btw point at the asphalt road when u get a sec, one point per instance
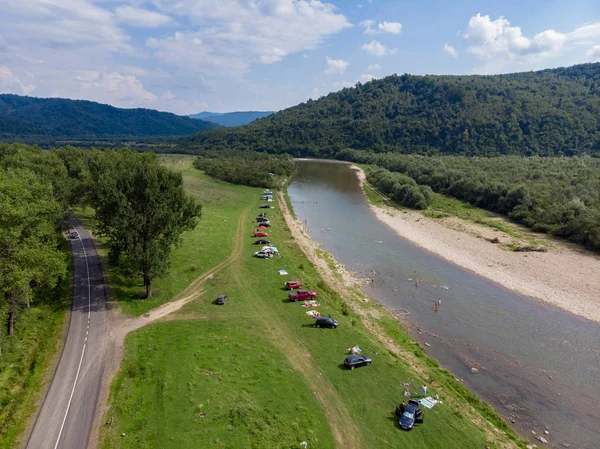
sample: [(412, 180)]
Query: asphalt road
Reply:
[(66, 416)]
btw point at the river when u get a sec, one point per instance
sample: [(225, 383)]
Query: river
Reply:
[(536, 364)]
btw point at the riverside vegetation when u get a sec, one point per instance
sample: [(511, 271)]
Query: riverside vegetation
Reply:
[(255, 373)]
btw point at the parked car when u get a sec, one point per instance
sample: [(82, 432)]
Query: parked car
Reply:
[(265, 224), (221, 300), (260, 234), (302, 294), (293, 285), (262, 242), (262, 254), (412, 414), (353, 361), (326, 321), (261, 219), (264, 206)]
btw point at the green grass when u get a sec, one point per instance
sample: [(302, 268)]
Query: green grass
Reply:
[(28, 355), (201, 249), (252, 399), (376, 198), (267, 360)]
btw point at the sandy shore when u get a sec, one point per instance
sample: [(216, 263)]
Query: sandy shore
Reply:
[(565, 276)]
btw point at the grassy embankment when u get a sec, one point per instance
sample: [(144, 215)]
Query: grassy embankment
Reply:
[(255, 373), (29, 356), (443, 206)]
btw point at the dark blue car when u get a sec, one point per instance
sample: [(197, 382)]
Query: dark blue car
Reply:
[(410, 415)]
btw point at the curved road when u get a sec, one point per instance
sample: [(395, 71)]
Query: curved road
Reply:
[(66, 416)]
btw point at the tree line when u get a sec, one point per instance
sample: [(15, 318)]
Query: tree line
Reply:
[(246, 167), (559, 196), (141, 210), (400, 188)]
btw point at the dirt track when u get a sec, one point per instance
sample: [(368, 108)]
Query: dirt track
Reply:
[(121, 325)]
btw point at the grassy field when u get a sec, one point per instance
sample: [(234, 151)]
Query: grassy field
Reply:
[(255, 373), (27, 357), (203, 248)]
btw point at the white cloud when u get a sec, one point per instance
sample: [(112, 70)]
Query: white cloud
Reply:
[(378, 49), (390, 27), (505, 48), (113, 88), (341, 84), (449, 49), (316, 93), (374, 67), (143, 18), (231, 35), (594, 53), (384, 27), (586, 34), (487, 39), (335, 66), (368, 26), (64, 24), (9, 83), (366, 77)]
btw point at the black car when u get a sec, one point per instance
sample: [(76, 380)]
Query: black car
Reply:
[(353, 361), (326, 321), (221, 300), (262, 242), (264, 206), (412, 414), (261, 219)]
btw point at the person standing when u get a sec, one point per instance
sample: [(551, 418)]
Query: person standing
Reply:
[(424, 388)]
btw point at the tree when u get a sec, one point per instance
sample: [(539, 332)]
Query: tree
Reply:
[(29, 253), (143, 210)]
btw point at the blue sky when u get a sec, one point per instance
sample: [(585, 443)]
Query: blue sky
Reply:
[(186, 56)]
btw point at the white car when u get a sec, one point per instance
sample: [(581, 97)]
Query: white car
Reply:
[(262, 254)]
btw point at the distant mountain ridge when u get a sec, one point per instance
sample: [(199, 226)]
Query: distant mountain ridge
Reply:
[(548, 112), (60, 118), (229, 119)]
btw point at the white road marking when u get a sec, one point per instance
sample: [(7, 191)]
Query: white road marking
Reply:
[(84, 345)]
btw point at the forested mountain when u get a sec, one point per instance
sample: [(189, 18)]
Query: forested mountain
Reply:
[(550, 112), (231, 118), (58, 118)]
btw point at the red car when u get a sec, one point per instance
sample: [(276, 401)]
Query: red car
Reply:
[(260, 234), (302, 294), (293, 285)]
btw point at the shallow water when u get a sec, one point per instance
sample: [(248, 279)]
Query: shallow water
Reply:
[(537, 364)]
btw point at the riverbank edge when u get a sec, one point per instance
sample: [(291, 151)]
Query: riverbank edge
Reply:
[(451, 244), (391, 331)]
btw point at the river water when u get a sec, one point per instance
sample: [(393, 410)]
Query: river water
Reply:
[(537, 365)]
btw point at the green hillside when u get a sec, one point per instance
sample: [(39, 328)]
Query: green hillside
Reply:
[(550, 112), (58, 118)]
